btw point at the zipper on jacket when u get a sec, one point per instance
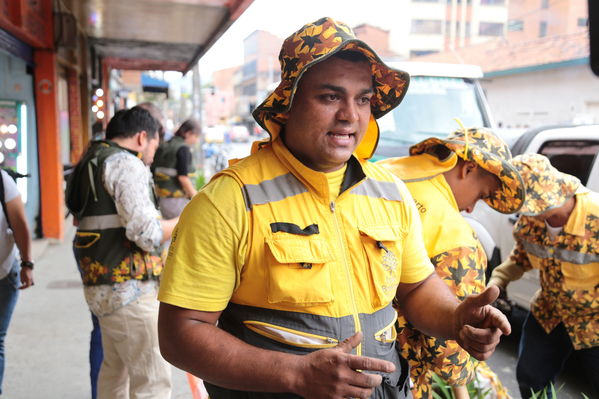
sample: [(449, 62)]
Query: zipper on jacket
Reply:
[(355, 314), (289, 336)]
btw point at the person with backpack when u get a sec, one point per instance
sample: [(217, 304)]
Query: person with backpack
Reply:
[(15, 240), (118, 247), (173, 169)]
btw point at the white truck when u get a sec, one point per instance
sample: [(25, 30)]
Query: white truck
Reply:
[(437, 94)]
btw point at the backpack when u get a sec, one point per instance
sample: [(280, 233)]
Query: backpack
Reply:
[(3, 201)]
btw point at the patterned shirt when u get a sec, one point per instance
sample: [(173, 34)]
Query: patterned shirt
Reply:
[(142, 221), (459, 260), (569, 270)]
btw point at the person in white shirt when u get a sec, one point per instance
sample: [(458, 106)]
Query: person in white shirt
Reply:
[(15, 240)]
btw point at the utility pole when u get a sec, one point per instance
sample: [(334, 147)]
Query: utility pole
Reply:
[(196, 105)]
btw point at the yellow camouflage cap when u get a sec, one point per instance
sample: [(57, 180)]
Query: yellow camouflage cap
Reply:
[(491, 153), (314, 43), (546, 187)]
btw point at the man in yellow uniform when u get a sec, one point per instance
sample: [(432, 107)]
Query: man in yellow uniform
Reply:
[(557, 234), (445, 177), (298, 250)]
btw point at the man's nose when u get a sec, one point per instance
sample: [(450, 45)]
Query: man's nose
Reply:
[(348, 111)]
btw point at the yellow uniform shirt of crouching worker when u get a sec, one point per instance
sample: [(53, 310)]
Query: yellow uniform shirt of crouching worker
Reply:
[(569, 270), (459, 260)]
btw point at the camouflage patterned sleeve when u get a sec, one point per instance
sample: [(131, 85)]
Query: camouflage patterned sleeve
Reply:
[(512, 269), (448, 360)]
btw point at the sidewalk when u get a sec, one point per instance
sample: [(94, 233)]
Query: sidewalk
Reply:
[(48, 340)]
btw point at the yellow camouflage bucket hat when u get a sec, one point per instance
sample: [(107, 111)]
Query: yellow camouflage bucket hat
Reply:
[(314, 43), (488, 151), (546, 187)]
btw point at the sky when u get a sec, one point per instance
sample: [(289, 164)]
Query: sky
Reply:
[(283, 17)]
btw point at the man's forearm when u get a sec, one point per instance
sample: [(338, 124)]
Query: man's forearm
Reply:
[(18, 221), (217, 357), (430, 307), (187, 185)]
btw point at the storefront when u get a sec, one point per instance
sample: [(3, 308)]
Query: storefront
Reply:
[(18, 138)]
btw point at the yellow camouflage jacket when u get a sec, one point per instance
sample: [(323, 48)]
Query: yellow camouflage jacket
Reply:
[(569, 270), (459, 260)]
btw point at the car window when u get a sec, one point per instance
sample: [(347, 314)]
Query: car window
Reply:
[(575, 157), (429, 109)]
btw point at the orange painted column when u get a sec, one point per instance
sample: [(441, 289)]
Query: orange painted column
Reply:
[(48, 141)]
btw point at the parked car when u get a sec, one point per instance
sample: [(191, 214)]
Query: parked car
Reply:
[(215, 134), (239, 134), (571, 149)]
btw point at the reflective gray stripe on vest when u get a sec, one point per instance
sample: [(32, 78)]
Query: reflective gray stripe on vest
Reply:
[(378, 189), (339, 328), (561, 254), (100, 222), (273, 190), (166, 171)]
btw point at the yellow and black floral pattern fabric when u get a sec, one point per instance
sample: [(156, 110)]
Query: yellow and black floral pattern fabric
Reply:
[(546, 187), (569, 270)]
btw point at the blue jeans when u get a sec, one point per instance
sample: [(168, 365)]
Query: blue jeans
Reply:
[(542, 356), (96, 354), (9, 292)]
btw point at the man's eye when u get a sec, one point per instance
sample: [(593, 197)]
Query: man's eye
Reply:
[(330, 97)]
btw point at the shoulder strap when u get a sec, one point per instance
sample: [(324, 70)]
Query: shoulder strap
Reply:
[(2, 199)]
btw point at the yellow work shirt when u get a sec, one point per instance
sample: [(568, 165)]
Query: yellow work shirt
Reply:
[(569, 270), (459, 260)]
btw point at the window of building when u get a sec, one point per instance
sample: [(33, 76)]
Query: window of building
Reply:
[(515, 25), (544, 3), (543, 29), (425, 26), (490, 29), (583, 21), (492, 2)]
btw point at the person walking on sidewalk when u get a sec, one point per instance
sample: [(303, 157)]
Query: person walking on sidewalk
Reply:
[(15, 275), (173, 170), (118, 249), (445, 177), (298, 250), (557, 234)]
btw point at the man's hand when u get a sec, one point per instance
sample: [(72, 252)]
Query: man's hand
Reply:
[(335, 373), (479, 325), (26, 278)]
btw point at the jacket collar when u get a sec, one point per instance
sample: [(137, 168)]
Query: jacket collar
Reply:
[(314, 180)]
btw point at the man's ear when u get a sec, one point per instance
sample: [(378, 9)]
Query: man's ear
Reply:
[(467, 168), (142, 138)]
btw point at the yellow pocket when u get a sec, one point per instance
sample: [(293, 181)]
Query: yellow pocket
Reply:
[(298, 269), (290, 337), (85, 240), (580, 277), (387, 334), (384, 258)]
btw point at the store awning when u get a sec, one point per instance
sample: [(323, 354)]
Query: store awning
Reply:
[(153, 85), (156, 34)]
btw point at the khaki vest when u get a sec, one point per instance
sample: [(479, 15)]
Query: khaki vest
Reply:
[(165, 169)]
